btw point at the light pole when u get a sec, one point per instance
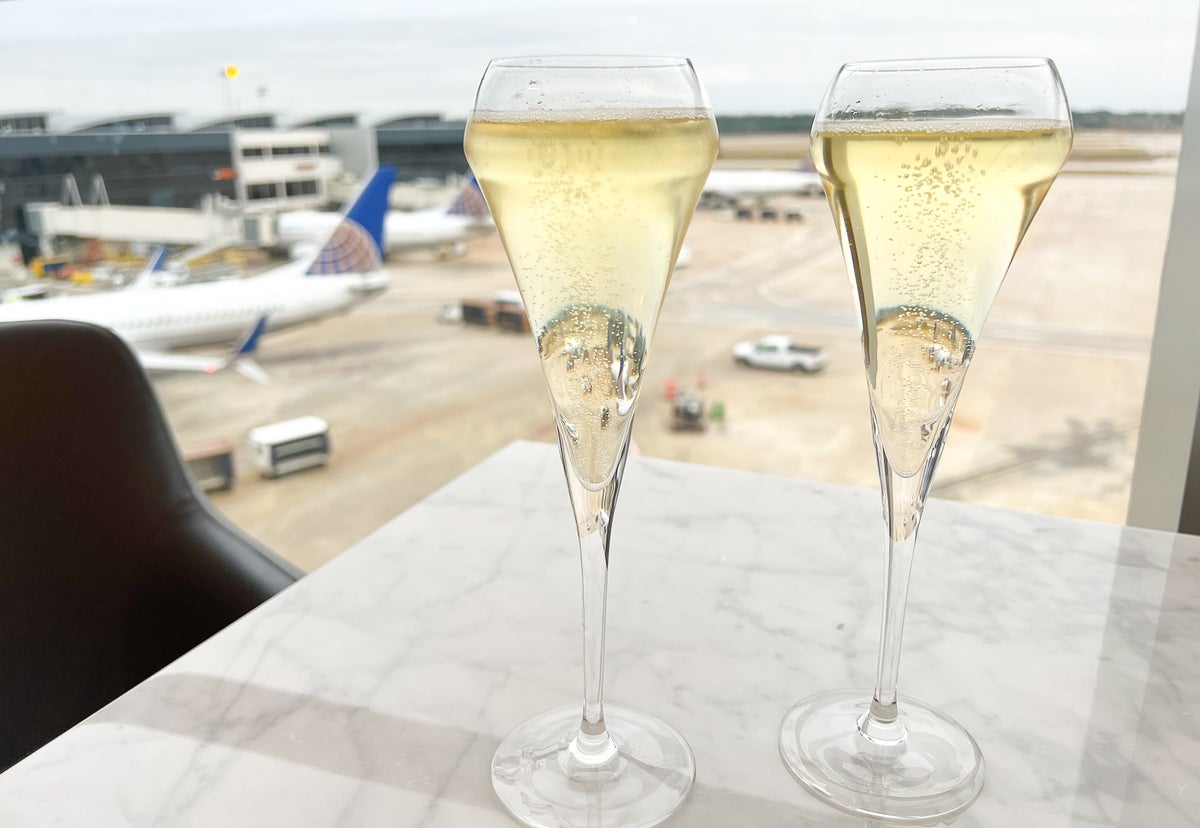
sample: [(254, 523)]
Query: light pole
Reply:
[(229, 71)]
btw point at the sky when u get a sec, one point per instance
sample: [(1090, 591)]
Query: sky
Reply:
[(385, 57)]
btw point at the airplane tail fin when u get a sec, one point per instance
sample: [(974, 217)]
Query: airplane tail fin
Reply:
[(470, 201), (156, 262), (356, 244)]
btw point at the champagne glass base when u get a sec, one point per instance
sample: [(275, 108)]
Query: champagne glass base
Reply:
[(542, 784), (932, 774)]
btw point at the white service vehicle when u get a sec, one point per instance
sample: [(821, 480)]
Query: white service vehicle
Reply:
[(290, 446), (781, 353)]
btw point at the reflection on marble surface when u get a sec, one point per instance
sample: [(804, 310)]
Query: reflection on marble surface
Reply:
[(374, 692)]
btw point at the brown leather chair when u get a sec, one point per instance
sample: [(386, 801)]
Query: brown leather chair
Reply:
[(112, 563)]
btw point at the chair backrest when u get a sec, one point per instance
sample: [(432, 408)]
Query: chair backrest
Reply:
[(112, 564)]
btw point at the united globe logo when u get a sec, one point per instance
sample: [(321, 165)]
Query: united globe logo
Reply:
[(349, 250)]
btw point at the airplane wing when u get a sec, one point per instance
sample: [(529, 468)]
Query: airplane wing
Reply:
[(161, 361), (241, 358)]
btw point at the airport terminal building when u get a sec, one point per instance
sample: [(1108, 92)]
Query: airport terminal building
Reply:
[(250, 161)]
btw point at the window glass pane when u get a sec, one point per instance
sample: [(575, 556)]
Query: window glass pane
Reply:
[(258, 191), (1048, 420), (301, 188)]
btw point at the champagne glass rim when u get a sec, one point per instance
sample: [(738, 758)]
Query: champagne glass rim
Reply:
[(590, 62), (947, 64)]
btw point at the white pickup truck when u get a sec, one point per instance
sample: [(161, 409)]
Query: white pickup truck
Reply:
[(781, 353)]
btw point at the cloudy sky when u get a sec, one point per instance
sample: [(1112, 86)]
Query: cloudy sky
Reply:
[(394, 56)]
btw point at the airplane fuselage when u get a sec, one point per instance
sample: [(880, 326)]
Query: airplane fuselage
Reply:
[(401, 231), (757, 183), (207, 313)]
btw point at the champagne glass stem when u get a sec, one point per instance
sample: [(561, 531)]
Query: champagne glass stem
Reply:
[(593, 742), (901, 544), (593, 746), (903, 505)]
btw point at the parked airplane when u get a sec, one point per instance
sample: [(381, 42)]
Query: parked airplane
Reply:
[(731, 185), (345, 271), (438, 228)]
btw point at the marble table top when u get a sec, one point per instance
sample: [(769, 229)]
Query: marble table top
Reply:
[(374, 692)]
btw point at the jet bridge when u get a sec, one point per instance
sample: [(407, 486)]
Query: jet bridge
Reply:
[(213, 224)]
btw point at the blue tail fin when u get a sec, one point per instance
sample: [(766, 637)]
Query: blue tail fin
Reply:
[(356, 245), (470, 201), (157, 259), (155, 263)]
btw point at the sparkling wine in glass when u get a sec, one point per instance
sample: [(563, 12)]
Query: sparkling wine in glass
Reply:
[(934, 170), (592, 167)]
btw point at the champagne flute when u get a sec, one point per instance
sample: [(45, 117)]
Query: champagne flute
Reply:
[(934, 170), (592, 167)]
